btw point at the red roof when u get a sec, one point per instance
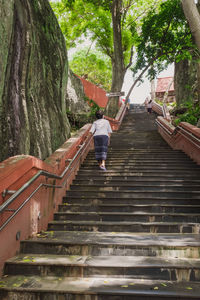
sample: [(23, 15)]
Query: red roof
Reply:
[(163, 83)]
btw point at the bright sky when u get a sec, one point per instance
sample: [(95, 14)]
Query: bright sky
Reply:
[(140, 93)]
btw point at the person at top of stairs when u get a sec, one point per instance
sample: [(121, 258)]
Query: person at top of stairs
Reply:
[(149, 106), (101, 130)]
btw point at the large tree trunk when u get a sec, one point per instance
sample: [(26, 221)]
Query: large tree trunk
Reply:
[(186, 81), (198, 81), (33, 80), (198, 70), (118, 68), (191, 11), (198, 88), (193, 17)]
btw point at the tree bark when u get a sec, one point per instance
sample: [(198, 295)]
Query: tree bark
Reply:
[(198, 81), (193, 18), (198, 88), (191, 11), (118, 68), (33, 83)]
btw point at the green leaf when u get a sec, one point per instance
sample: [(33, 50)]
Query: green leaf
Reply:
[(163, 284), (16, 284)]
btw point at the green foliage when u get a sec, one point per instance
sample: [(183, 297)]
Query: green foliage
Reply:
[(165, 38), (172, 104), (159, 102), (94, 66), (191, 115), (93, 106), (106, 4), (83, 18), (93, 19), (169, 104)]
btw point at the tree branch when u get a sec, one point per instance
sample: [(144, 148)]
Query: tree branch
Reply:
[(130, 61)]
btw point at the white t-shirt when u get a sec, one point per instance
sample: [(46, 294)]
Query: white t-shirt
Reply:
[(101, 127), (149, 105)]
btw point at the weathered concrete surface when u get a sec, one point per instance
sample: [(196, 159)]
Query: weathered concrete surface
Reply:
[(34, 72), (78, 109), (99, 288), (75, 95)]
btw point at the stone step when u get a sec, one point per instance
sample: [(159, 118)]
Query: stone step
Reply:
[(118, 226), (134, 162), (166, 153), (136, 193), (142, 150), (135, 187), (145, 155), (134, 182), (141, 172), (136, 208), (113, 243), (136, 136), (148, 145), (157, 168), (138, 199), (136, 177), (139, 154), (140, 267), (137, 142), (141, 136), (100, 288), (127, 217)]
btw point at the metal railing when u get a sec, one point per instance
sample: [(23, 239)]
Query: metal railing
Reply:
[(162, 110), (161, 125), (69, 168)]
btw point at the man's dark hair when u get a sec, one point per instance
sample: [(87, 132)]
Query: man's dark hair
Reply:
[(99, 114)]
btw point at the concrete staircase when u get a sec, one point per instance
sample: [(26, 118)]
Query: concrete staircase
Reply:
[(129, 233)]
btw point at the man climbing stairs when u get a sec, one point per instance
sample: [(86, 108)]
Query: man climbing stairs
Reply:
[(129, 233)]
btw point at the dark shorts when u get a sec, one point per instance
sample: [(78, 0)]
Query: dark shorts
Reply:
[(101, 147), (149, 110)]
